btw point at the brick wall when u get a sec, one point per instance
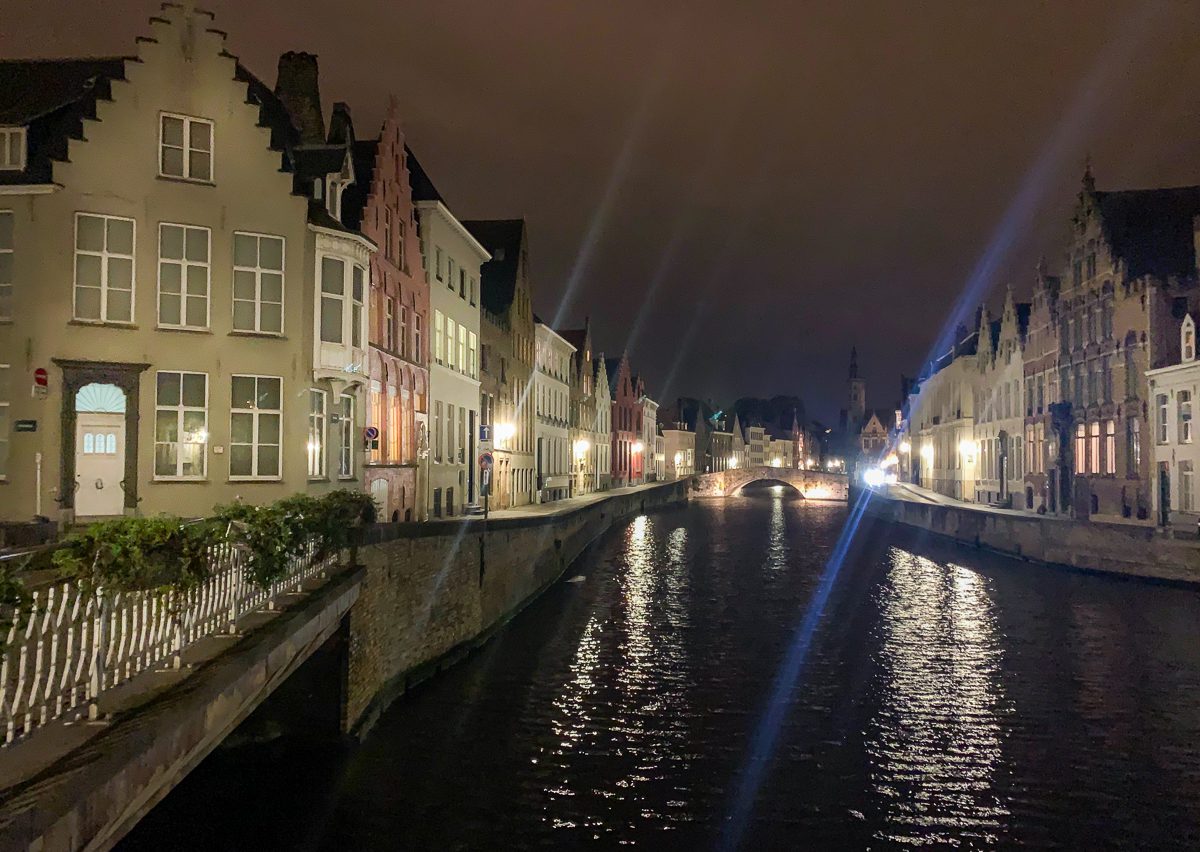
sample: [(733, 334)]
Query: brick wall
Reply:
[(433, 591)]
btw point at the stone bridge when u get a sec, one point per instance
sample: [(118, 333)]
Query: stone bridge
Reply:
[(813, 484)]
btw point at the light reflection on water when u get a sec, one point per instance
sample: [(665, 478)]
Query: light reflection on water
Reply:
[(935, 740)]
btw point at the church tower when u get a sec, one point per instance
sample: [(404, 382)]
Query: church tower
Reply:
[(858, 395)]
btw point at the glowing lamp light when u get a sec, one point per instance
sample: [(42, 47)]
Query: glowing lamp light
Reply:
[(504, 431), (874, 477), (776, 462), (733, 461), (927, 452), (581, 447), (905, 447), (638, 446), (818, 492), (201, 437), (968, 447)]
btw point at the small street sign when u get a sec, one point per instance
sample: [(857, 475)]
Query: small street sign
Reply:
[(485, 461), (25, 426)]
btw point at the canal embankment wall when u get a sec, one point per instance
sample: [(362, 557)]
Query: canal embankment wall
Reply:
[(433, 592), (1126, 549)]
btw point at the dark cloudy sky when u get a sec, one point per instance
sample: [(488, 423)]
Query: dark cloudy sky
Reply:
[(739, 191)]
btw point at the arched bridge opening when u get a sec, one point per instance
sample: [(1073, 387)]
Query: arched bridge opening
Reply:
[(812, 484)]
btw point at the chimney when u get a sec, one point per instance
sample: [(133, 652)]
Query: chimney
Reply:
[(297, 87)]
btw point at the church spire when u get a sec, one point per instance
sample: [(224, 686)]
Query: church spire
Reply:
[(854, 362)]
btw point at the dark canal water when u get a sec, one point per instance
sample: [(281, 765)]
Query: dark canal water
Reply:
[(947, 699)]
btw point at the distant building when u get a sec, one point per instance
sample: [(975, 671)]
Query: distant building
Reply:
[(603, 428), (1173, 392), (629, 452), (679, 451), (552, 392), (649, 427), (452, 258)]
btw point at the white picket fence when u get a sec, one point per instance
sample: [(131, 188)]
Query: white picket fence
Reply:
[(71, 646)]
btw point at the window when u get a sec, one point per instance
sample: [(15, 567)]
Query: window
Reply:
[(388, 245), (1110, 446), (1133, 447), (183, 276), (389, 323), (1163, 416), (437, 432), (472, 291), (334, 292), (1080, 448), (1094, 447), (462, 349), (401, 253), (5, 423), (357, 295), (256, 413), (346, 437), (416, 352), (1187, 492), (393, 424), (438, 337), (462, 283), (257, 283), (181, 426), (451, 435), (451, 328), (6, 264), (472, 355), (317, 430), (185, 147), (437, 266), (1187, 335), (450, 269), (462, 435), (1184, 400), (12, 148), (103, 268)]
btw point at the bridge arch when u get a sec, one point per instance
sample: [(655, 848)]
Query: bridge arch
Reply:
[(813, 484)]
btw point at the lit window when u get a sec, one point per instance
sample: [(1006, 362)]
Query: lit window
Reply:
[(346, 437), (12, 148), (1094, 447), (389, 323), (183, 276), (1184, 399), (6, 264), (451, 327), (103, 268), (472, 355), (185, 148), (256, 414), (1187, 492), (258, 283), (438, 337), (1080, 448), (1188, 335), (316, 433), (1110, 446), (181, 426), (1163, 418), (462, 349)]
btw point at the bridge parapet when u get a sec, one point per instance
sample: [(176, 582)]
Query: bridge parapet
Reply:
[(813, 484)]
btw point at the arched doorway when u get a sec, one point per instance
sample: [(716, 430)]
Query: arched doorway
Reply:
[(99, 450)]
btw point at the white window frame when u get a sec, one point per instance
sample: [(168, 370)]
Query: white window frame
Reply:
[(351, 325), (318, 427), (346, 436), (1184, 405), (11, 137), (186, 150), (257, 270), (451, 350), (389, 320), (184, 265), (255, 412), (105, 256), (1161, 422), (7, 287), (180, 409)]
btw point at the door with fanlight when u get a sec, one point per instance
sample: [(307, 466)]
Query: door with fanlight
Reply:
[(99, 451)]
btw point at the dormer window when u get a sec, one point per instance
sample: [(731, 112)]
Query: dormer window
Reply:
[(12, 148), (1187, 339), (185, 147)]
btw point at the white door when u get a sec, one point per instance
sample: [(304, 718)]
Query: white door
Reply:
[(99, 464)]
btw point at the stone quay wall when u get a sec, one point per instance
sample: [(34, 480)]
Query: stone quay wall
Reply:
[(1139, 551), (434, 591)]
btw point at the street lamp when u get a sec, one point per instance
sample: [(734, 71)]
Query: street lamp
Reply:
[(504, 431), (638, 446), (927, 452), (905, 447), (581, 447)]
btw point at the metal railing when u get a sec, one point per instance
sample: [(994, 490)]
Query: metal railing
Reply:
[(70, 646)]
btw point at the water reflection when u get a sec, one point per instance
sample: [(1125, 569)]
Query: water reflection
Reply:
[(935, 740)]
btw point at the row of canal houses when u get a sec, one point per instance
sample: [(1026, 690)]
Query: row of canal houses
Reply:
[(1080, 401), (213, 289)]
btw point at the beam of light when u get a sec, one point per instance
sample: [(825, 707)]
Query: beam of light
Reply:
[(1079, 119), (616, 177), (762, 742)]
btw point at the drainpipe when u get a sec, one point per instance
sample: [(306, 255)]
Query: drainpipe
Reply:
[(37, 498)]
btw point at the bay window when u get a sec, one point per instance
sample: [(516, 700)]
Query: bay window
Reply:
[(342, 291)]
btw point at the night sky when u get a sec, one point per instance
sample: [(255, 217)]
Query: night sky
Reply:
[(740, 191)]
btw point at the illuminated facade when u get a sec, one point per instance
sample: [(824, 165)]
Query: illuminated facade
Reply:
[(551, 429), (182, 273)]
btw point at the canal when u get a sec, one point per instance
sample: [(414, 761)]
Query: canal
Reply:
[(944, 697)]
